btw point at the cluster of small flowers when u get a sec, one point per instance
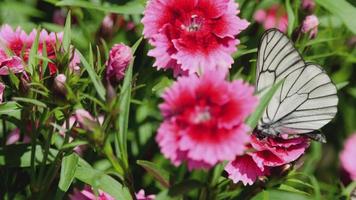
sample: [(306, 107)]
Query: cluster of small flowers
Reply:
[(276, 16)]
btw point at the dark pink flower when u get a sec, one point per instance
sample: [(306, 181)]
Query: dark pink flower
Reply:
[(348, 158), (204, 119), (192, 36), (263, 155), (273, 17), (310, 25), (119, 59)]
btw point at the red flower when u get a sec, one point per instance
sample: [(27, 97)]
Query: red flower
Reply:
[(192, 36), (204, 120)]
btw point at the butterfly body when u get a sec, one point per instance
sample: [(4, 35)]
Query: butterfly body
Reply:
[(305, 101)]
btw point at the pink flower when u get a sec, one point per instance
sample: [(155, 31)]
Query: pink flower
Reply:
[(141, 196), (263, 155), (84, 119), (119, 59), (88, 194), (348, 158), (2, 89), (20, 43), (308, 5), (192, 36), (204, 119), (310, 25), (273, 17)]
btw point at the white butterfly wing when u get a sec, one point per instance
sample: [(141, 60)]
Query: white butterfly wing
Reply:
[(307, 99)]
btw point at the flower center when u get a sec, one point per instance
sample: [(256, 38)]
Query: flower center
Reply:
[(202, 115), (194, 24)]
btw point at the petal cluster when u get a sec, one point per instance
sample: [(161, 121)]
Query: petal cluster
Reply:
[(263, 155), (348, 158), (192, 36), (204, 119)]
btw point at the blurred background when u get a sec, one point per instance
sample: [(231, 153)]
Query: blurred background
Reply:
[(104, 23)]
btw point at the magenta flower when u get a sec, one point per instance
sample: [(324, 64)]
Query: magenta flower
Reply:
[(310, 25), (348, 158), (119, 59), (204, 119), (192, 36), (263, 155), (88, 194), (273, 17)]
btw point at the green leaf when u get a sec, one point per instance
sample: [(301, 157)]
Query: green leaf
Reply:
[(14, 79), (291, 17), (279, 195), (134, 7), (10, 108), (93, 76), (136, 45), (32, 60), (124, 109), (30, 101), (68, 168), (161, 85), (67, 33), (19, 155), (100, 180), (341, 85), (343, 9), (252, 121), (159, 174)]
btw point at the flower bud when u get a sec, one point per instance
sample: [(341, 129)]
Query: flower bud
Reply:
[(119, 59), (84, 119), (310, 25), (308, 5), (2, 88), (59, 82)]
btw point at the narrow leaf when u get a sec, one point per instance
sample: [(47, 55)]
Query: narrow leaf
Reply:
[(252, 121), (100, 180), (68, 168), (93, 76), (134, 7), (32, 60), (30, 101), (291, 17), (343, 9), (67, 33), (159, 174)]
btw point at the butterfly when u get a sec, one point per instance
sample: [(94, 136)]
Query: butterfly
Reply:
[(306, 100)]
